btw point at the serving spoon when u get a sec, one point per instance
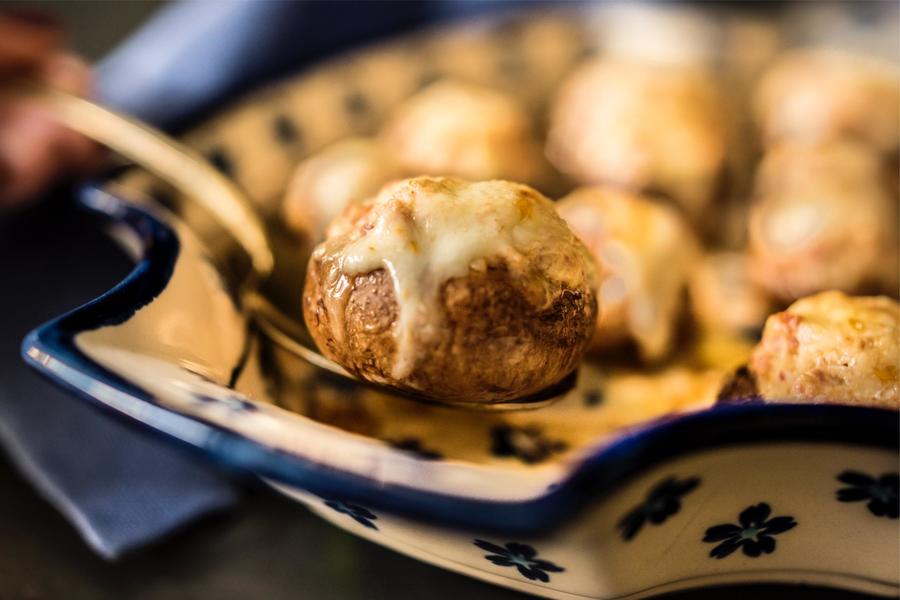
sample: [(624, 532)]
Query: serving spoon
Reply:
[(186, 170)]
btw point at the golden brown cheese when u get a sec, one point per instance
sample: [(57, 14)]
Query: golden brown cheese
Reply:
[(832, 348)]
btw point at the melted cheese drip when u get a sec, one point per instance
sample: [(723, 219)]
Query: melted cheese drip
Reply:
[(426, 231)]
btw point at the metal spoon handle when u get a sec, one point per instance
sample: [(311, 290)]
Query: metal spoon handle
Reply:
[(190, 173), (168, 159)]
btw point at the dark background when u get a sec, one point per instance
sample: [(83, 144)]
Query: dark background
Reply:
[(54, 257)]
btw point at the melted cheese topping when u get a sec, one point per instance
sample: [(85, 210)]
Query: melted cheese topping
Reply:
[(834, 348), (428, 230)]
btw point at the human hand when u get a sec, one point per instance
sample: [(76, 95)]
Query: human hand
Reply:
[(35, 151)]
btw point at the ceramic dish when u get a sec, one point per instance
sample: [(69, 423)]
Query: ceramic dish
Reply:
[(591, 497)]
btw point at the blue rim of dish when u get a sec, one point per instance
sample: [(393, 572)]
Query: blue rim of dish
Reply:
[(51, 350)]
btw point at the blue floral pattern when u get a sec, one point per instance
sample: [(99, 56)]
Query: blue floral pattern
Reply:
[(882, 495), (528, 444), (521, 556), (221, 160), (356, 512), (232, 402), (661, 502), (593, 397), (753, 534), (285, 130), (416, 448)]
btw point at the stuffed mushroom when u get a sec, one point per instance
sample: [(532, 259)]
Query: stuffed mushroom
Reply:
[(644, 250), (819, 94), (641, 127), (465, 130), (723, 296), (831, 348), (348, 171), (458, 291), (823, 219)]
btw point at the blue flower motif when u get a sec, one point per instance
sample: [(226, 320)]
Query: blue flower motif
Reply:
[(882, 494), (528, 443), (415, 447), (661, 502), (221, 160), (521, 556), (593, 397), (356, 104), (285, 130), (754, 534), (354, 511), (232, 402)]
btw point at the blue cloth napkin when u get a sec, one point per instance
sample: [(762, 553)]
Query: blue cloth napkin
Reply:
[(120, 488)]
